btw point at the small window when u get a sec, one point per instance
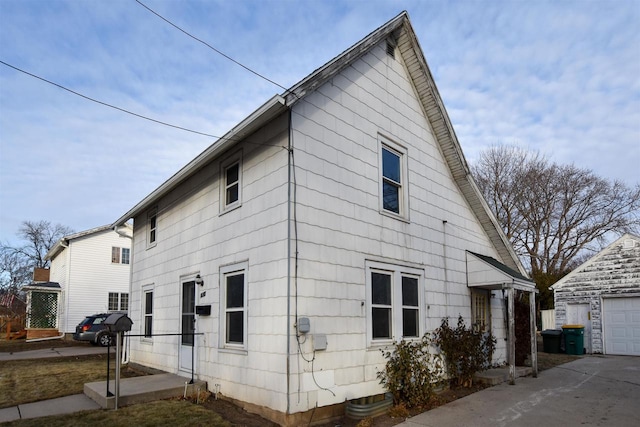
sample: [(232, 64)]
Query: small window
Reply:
[(231, 183), (120, 255), (152, 227), (115, 255), (234, 296), (147, 311), (393, 179), (124, 301), (480, 310), (114, 299), (118, 301), (394, 308), (126, 253)]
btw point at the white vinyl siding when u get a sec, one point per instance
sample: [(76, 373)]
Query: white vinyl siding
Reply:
[(340, 225), (86, 276)]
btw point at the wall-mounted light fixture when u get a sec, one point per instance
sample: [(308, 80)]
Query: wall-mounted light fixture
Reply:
[(199, 280)]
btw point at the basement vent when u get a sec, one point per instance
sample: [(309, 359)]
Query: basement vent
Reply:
[(391, 49)]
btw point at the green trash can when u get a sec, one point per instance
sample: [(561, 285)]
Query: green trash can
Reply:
[(551, 339), (573, 339)]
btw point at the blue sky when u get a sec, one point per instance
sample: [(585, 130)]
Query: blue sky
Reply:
[(561, 77)]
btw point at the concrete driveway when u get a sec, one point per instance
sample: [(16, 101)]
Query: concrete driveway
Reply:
[(591, 391)]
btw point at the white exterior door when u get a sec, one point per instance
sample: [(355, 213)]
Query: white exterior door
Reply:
[(188, 324), (579, 314), (621, 325)]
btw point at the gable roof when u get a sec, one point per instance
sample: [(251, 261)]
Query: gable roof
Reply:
[(64, 241), (620, 241), (400, 32)]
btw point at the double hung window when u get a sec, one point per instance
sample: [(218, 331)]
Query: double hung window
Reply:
[(393, 179), (394, 294), (234, 296), (231, 183), (147, 312), (152, 227)]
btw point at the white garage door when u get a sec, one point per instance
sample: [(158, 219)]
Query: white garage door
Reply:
[(622, 325)]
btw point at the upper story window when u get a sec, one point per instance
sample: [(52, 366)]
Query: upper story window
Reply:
[(152, 227), (231, 183), (393, 179), (120, 255), (394, 295)]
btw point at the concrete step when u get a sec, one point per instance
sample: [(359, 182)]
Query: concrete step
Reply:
[(142, 389)]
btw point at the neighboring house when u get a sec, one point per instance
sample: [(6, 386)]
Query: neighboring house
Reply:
[(337, 218), (89, 274), (603, 294)]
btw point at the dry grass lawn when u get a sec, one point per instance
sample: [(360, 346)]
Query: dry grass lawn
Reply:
[(175, 413), (32, 380)]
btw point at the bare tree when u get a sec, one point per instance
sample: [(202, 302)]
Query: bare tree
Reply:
[(553, 214), (14, 270), (17, 263)]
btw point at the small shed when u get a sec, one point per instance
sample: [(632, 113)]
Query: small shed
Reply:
[(603, 294)]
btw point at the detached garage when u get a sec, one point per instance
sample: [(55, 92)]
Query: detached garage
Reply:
[(603, 294)]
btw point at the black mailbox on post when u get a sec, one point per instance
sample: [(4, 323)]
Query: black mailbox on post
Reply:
[(118, 322)]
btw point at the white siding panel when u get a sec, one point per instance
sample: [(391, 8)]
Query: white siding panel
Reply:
[(87, 275)]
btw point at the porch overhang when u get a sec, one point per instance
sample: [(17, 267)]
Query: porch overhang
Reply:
[(44, 286), (484, 272)]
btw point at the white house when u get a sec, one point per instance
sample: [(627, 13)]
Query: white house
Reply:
[(89, 274), (338, 217), (603, 294)]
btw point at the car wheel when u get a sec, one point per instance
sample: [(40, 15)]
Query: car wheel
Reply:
[(104, 340)]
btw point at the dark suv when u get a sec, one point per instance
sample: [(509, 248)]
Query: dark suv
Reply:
[(91, 329)]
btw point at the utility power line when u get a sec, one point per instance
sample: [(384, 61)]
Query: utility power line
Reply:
[(211, 47), (107, 104)]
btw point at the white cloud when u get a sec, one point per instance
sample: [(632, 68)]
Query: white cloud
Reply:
[(559, 77)]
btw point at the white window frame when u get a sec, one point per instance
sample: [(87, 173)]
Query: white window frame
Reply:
[(225, 272), (143, 312), (235, 159), (397, 272), (115, 255), (118, 298), (403, 187), (118, 257), (152, 230), (122, 256), (480, 310)]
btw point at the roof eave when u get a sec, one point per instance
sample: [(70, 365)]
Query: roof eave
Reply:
[(269, 110)]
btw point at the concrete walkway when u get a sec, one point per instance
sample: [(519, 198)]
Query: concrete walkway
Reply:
[(594, 390), (132, 390), (54, 352)]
